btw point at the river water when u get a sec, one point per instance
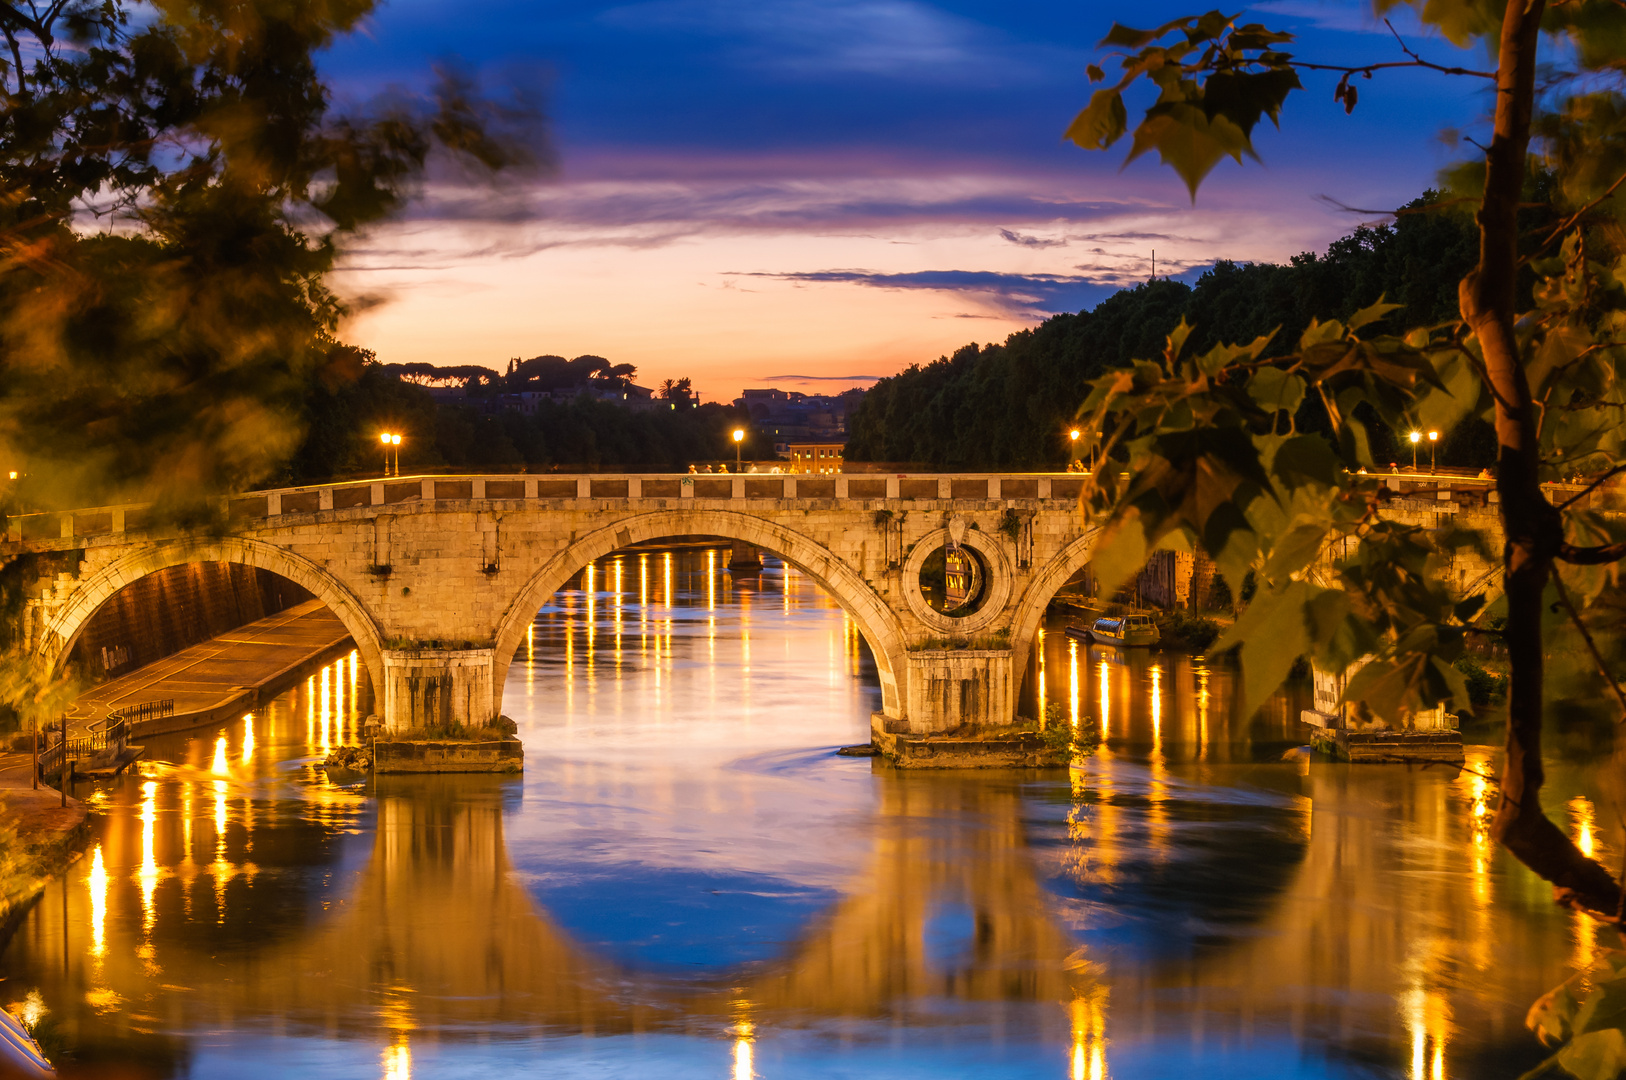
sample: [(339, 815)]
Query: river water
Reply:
[(687, 882)]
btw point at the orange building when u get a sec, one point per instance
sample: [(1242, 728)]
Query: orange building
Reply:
[(816, 457)]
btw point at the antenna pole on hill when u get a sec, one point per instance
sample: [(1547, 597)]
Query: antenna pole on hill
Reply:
[(1154, 264)]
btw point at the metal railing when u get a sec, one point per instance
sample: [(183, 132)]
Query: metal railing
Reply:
[(104, 741)]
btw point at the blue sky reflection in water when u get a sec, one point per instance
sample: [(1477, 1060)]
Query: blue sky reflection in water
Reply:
[(687, 883)]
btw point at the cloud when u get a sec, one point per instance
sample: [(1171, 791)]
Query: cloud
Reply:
[(1030, 296), (892, 38), (1030, 241), (1346, 16), (821, 378)]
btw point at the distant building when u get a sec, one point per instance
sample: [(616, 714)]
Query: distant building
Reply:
[(632, 397), (815, 457), (791, 417)]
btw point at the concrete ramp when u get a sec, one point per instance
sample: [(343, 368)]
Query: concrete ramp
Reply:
[(224, 676)]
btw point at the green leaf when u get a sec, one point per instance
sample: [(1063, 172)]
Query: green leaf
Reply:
[(1127, 37), (1276, 390), (1273, 633), (1120, 551), (1188, 141), (1442, 408), (1243, 96), (1372, 313), (1596, 1055), (1295, 551), (1101, 123), (1177, 339), (1305, 458)]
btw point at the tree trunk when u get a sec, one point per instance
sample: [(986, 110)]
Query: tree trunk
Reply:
[(1532, 525)]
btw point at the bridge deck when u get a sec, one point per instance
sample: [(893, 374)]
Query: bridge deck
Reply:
[(223, 676)]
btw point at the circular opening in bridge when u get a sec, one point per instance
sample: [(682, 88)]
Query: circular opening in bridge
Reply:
[(954, 580)]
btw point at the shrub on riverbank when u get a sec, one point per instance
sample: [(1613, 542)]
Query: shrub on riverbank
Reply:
[(1062, 739), (1183, 630), (1485, 686)]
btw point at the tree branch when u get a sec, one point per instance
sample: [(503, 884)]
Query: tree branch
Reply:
[(1592, 646), (1564, 226), (1591, 556), (1368, 69), (1565, 505)]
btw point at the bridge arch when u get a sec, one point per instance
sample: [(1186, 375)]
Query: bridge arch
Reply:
[(874, 619), (1042, 589), (62, 629)]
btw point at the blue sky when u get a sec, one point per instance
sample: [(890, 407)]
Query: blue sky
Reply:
[(751, 189)]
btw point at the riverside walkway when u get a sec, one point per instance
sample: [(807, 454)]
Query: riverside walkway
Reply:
[(223, 676)]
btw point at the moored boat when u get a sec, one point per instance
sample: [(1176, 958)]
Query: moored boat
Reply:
[(1124, 631)]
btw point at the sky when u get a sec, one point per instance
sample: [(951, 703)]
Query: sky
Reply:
[(809, 194)]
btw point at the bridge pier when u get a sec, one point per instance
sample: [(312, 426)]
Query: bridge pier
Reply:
[(438, 688)]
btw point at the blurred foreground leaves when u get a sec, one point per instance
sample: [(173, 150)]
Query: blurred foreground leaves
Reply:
[(174, 189)]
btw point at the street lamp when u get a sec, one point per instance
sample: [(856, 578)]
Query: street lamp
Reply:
[(1416, 437), (1073, 435), (739, 437), (392, 442), (1433, 439)]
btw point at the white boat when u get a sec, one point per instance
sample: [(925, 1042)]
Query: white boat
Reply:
[(1124, 631)]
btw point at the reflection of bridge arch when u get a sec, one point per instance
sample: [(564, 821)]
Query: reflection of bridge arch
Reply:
[(869, 612), (61, 628), (439, 934)]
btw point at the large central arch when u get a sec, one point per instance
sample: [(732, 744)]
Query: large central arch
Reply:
[(869, 612), (1042, 589), (62, 629)]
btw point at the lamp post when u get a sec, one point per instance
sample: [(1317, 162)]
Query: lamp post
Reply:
[(1433, 440), (1415, 437), (391, 442), (1073, 435), (739, 437)]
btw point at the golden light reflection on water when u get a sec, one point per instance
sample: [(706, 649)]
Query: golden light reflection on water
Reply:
[(744, 1068), (1089, 1056), (97, 883), (1584, 823), (1072, 683), (148, 875)]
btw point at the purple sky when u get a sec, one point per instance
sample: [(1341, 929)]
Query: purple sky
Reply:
[(754, 189)]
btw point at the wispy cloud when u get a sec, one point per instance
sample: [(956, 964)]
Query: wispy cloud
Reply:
[(887, 38), (1031, 296), (1031, 241)]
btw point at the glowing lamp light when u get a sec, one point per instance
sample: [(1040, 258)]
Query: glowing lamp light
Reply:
[(1433, 436), (1416, 437), (1073, 434), (739, 435)]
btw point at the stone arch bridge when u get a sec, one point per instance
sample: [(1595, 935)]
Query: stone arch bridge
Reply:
[(438, 577)]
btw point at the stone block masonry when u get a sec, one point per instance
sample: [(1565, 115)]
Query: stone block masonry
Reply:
[(437, 578)]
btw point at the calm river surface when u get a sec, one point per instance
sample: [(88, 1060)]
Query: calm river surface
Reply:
[(687, 882)]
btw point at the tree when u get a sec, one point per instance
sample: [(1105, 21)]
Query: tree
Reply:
[(1200, 447), (1009, 405), (174, 189), (676, 389)]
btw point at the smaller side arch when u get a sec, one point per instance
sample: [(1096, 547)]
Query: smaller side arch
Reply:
[(1042, 589), (62, 628), (874, 619)]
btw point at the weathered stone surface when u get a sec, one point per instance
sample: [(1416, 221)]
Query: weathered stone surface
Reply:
[(449, 756), (437, 579)]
